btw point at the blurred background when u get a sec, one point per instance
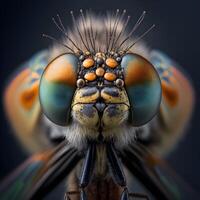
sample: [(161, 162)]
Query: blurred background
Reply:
[(177, 34)]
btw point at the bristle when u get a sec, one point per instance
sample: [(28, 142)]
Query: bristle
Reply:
[(121, 32), (77, 28), (139, 21), (113, 29), (120, 18), (91, 31), (139, 38), (65, 32), (100, 33), (57, 41), (62, 31), (84, 29), (117, 36)]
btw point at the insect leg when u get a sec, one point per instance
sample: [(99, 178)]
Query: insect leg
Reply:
[(117, 171), (115, 165), (87, 169)]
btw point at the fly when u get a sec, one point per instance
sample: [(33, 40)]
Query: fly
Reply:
[(105, 105)]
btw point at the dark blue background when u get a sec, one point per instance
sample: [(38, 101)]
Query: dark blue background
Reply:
[(177, 33)]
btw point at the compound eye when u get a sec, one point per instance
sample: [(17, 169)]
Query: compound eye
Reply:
[(143, 87), (57, 86)]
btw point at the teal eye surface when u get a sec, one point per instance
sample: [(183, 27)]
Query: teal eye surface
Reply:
[(143, 86), (57, 86)]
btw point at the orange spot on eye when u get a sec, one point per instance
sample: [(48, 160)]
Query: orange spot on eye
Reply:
[(61, 71), (28, 96), (110, 76), (112, 63), (89, 62), (170, 93), (90, 76), (100, 71), (139, 71)]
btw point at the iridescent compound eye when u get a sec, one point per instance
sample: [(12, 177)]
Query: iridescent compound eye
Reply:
[(57, 87), (143, 87)]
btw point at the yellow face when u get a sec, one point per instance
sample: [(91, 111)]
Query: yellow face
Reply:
[(100, 91), (100, 100)]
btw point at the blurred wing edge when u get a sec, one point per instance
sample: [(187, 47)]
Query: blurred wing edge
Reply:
[(173, 119), (40, 173), (21, 103), (155, 174)]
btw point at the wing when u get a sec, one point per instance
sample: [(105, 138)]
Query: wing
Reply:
[(154, 174), (40, 174), (22, 105), (176, 105)]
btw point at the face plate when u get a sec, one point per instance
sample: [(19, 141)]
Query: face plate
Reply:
[(100, 101)]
